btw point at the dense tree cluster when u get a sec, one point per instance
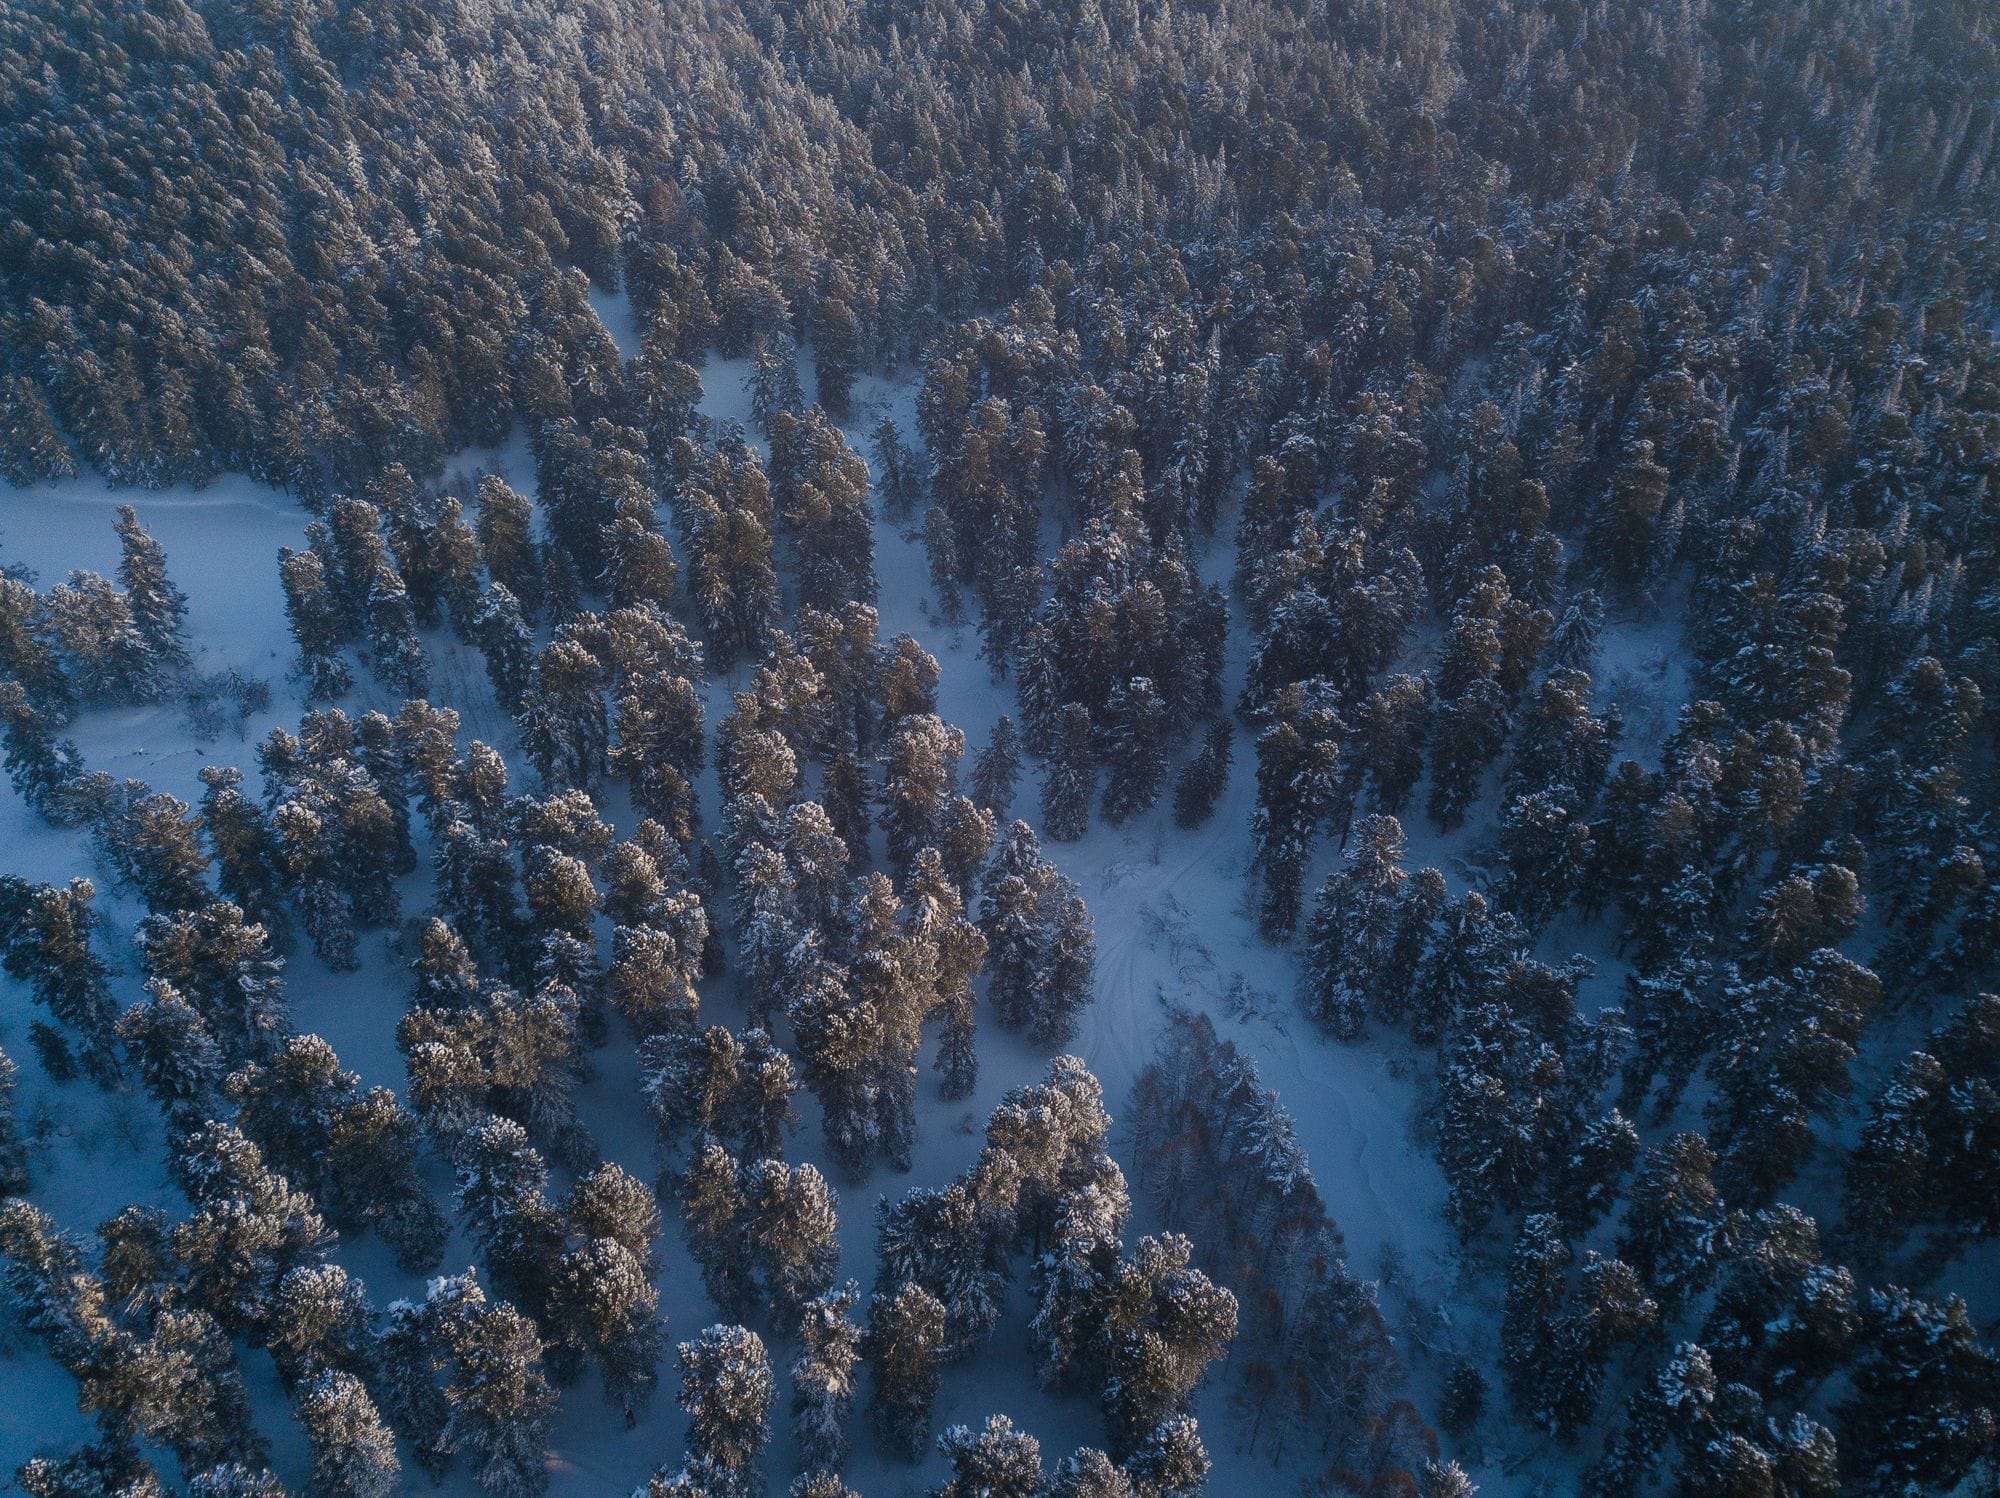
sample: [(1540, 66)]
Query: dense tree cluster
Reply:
[(1465, 348)]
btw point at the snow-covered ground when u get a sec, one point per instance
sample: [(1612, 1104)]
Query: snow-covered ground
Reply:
[(1171, 930)]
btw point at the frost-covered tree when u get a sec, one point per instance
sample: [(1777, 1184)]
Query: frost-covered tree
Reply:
[(904, 1347), (1165, 1322), (354, 1455), (824, 1378), (500, 1404), (727, 1391), (997, 1461)]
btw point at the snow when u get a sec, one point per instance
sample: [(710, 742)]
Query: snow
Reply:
[(1171, 931)]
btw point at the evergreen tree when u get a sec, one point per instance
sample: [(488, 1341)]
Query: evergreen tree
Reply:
[(249, 1229), (727, 1391), (500, 629), (823, 1378), (374, 1179), (903, 1346), (39, 764), (1351, 938), (791, 1230), (1203, 779), (248, 860), (315, 617), (13, 1150), (1609, 1309), (176, 1057), (1134, 726), (1536, 1273), (562, 718), (320, 1325), (159, 609), (996, 1462), (1089, 1473), (997, 769), (1676, 1228), (45, 942), (407, 1354), (1165, 1322), (500, 1404), (601, 1303), (1070, 782), (1172, 1462), (1922, 1415), (713, 1212), (354, 1456), (504, 525)]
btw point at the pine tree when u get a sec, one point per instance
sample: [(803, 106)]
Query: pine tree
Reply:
[(225, 967), (1070, 781), (354, 1456), (1536, 1273), (904, 1344), (996, 1462), (500, 1404), (602, 1304), (654, 968), (504, 525), (727, 1391), (1203, 779), (1171, 1463), (13, 1150), (1089, 1473), (287, 1107), (997, 769), (1609, 1309), (250, 1227), (502, 1182), (562, 717), (39, 764), (840, 1038), (374, 1179), (407, 1354), (248, 861), (500, 629), (1602, 1157), (1074, 1277), (1351, 938), (189, 1392), (152, 844), (1782, 1318), (949, 951), (1069, 983), (320, 1325), (1923, 1413), (713, 1212), (314, 614), (920, 776), (176, 1057), (104, 657), (1134, 727), (792, 1234), (45, 942), (1676, 1227), (159, 609), (823, 1378), (1165, 1322)]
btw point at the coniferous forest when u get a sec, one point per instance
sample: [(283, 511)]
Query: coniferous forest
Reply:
[(1000, 749)]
